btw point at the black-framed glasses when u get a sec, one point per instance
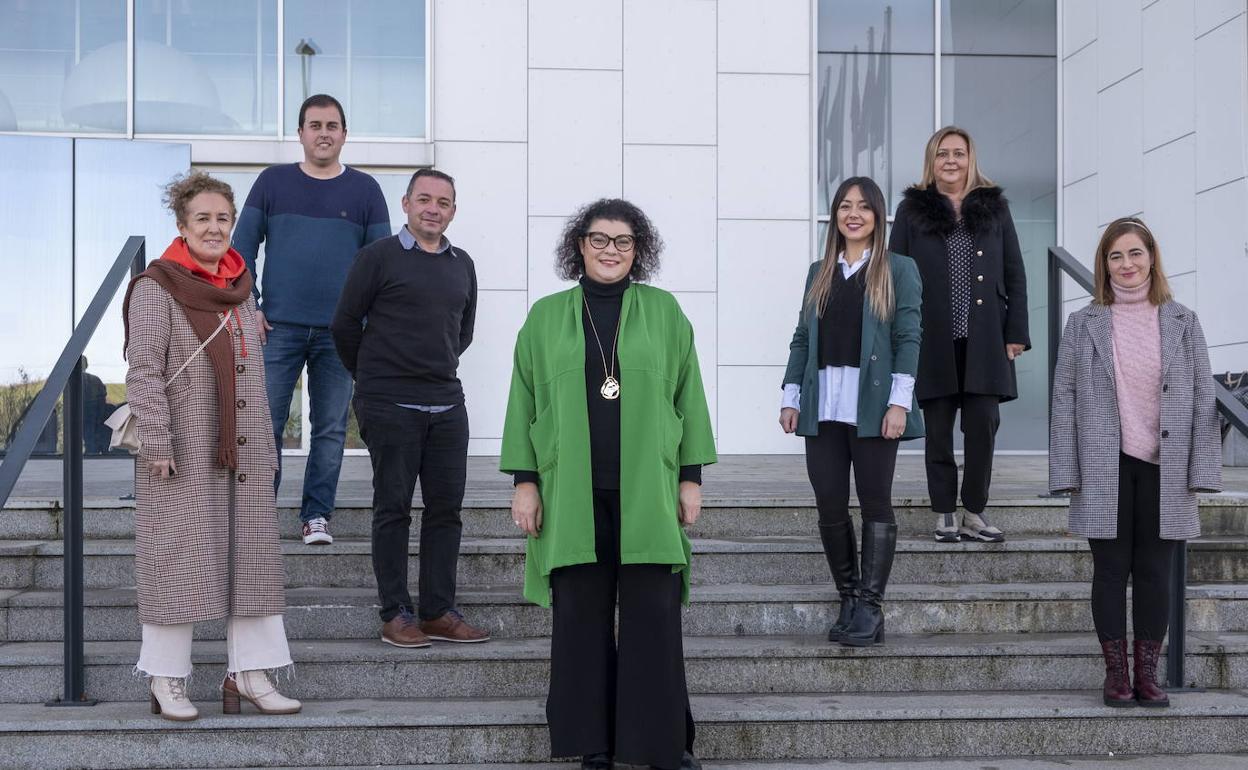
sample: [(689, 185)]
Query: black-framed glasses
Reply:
[(600, 241)]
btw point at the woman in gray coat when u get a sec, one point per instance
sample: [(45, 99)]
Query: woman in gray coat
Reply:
[(1133, 436), (206, 544)]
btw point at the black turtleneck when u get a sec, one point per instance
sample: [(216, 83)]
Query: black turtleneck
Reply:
[(604, 301)]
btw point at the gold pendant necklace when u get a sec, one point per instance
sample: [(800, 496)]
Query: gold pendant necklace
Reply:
[(610, 389)]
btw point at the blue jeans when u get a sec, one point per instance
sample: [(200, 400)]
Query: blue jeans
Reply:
[(290, 346)]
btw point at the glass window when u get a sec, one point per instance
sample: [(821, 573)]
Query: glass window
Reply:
[(369, 54), (1007, 104), (1009, 27), (895, 26), (874, 117), (205, 67), (63, 65)]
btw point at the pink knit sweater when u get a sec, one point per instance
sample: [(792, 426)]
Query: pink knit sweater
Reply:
[(1137, 370)]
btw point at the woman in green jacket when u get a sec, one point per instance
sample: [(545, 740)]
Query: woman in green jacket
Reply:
[(849, 389), (606, 433)]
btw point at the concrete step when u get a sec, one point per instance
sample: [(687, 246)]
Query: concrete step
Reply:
[(30, 519), (326, 669), (719, 610), (768, 560), (741, 727)]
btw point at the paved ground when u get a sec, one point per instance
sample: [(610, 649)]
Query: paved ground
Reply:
[(735, 477)]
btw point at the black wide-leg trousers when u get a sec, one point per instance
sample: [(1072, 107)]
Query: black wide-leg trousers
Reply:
[(1138, 555), (623, 694), (981, 416)]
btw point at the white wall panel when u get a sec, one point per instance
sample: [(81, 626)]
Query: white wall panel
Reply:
[(669, 72), (1081, 221), (1169, 59), (1080, 118), (1222, 262), (491, 218), (675, 186), (765, 37), (699, 308), (762, 271), (485, 368), (1211, 13), (1170, 202), (1184, 288), (574, 34), (1220, 72), (1118, 37), (1228, 358), (1121, 143), (1078, 24), (764, 147), (479, 80), (749, 412), (543, 238), (574, 139)]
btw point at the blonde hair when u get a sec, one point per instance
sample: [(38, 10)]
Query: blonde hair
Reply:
[(879, 273), (183, 188), (975, 178), (1103, 291)]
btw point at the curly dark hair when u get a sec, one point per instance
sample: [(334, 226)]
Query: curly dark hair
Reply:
[(184, 187), (570, 265)]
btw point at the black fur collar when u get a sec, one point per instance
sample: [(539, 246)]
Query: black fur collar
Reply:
[(982, 209)]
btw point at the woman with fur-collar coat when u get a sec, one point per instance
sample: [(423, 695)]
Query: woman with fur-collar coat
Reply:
[(956, 225)]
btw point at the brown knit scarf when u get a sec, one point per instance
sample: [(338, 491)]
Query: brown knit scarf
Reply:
[(201, 302)]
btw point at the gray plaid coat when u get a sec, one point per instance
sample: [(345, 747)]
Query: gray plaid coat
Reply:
[(1085, 436), (182, 524)]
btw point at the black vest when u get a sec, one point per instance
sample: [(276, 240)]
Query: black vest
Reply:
[(840, 326)]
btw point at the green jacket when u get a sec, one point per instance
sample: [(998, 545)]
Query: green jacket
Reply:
[(664, 424), (887, 347)]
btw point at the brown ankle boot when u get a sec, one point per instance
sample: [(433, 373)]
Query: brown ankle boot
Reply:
[(1117, 688), (1147, 692)]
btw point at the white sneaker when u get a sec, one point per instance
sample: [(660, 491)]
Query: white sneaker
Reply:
[(975, 526), (316, 532), (946, 528)]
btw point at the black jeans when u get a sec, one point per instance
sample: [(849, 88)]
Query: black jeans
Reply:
[(405, 445), (828, 459), (981, 416), (1138, 554), (624, 695)]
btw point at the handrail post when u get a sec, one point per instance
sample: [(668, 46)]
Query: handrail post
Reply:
[(1178, 618), (72, 574)]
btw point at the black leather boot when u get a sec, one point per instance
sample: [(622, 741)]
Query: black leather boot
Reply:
[(841, 551), (600, 761), (879, 543)]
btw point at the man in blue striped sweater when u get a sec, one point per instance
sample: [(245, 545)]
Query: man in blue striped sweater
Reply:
[(312, 217)]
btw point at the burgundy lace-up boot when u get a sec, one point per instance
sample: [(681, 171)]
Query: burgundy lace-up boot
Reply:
[(1117, 689), (1147, 692)]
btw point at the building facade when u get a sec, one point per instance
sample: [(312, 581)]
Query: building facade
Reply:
[(727, 121)]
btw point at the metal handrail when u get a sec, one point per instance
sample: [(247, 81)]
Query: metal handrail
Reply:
[(66, 380), (1062, 263)]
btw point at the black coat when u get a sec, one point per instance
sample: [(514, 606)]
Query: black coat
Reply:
[(998, 312)]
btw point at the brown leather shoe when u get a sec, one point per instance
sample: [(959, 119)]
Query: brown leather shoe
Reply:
[(452, 627), (402, 630)]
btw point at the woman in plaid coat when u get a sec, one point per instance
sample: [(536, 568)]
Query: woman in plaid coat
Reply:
[(206, 544), (1133, 436)]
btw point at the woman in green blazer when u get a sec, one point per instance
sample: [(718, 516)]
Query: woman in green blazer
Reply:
[(606, 433), (849, 390)]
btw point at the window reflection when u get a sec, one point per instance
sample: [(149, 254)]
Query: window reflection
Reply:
[(63, 66), (1008, 27), (843, 25), (370, 54)]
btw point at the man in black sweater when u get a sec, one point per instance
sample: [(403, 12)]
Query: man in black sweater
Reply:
[(405, 317)]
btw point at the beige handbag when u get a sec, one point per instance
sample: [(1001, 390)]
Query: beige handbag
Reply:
[(123, 422)]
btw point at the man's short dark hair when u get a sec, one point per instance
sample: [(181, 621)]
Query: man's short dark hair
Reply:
[(322, 100), (433, 173)]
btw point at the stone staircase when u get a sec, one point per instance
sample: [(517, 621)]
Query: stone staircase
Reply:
[(990, 652)]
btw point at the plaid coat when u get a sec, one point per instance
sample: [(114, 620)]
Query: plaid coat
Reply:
[(182, 524), (1085, 436)]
